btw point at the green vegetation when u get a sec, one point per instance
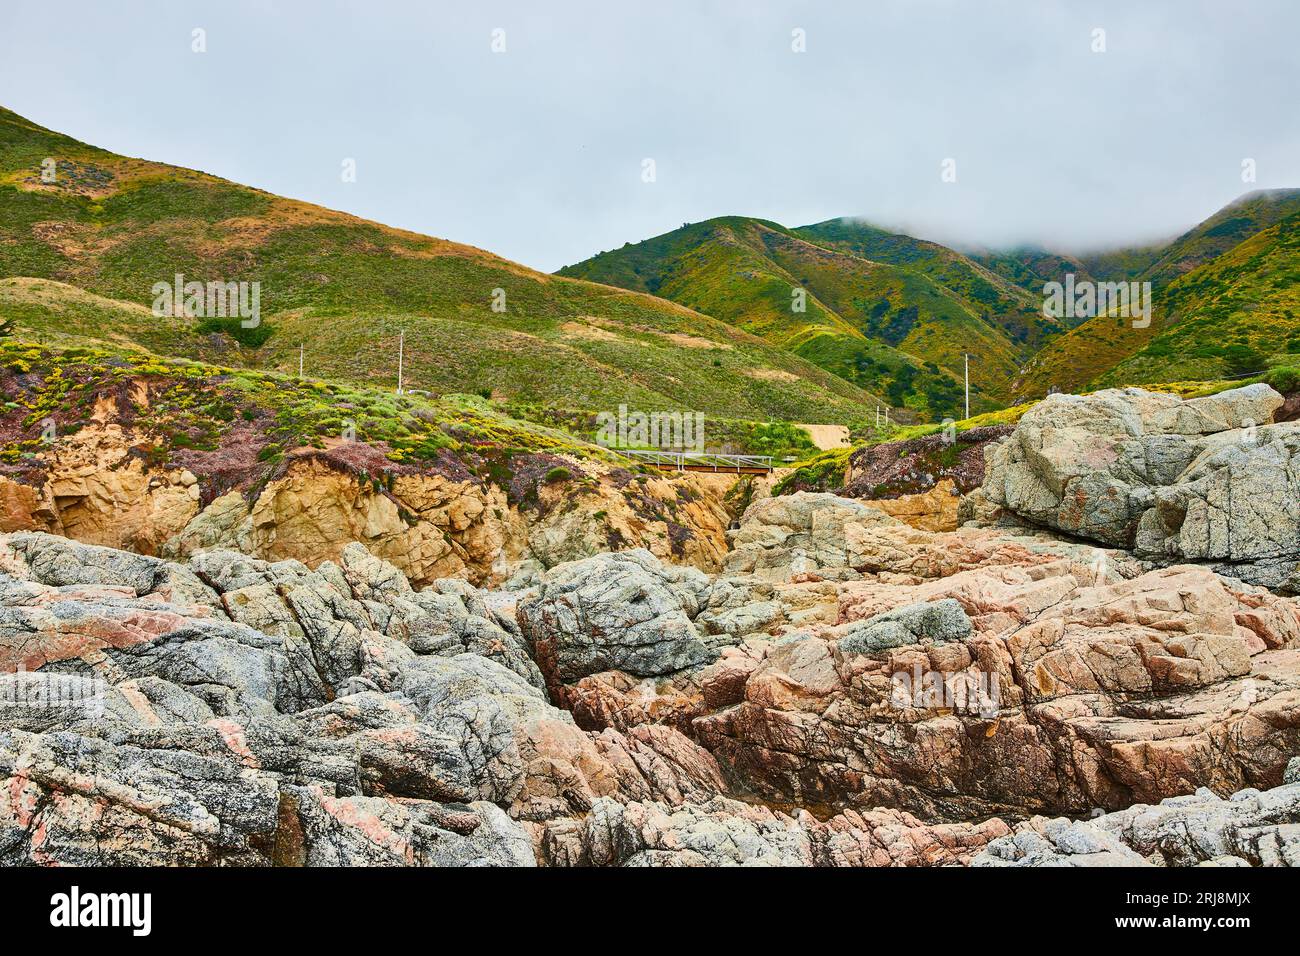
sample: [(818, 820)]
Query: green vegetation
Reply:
[(1005, 416), (1286, 379), (886, 318), (189, 406), (85, 251), (982, 292), (822, 472), (1222, 308), (1236, 315), (891, 329), (728, 435), (1218, 234), (251, 338)]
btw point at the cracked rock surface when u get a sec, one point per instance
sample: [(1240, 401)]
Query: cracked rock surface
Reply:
[(1208, 480), (850, 691)]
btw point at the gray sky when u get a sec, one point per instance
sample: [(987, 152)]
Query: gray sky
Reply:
[(536, 153)]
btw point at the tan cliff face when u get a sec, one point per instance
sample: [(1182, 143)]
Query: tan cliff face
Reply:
[(932, 510), (96, 490)]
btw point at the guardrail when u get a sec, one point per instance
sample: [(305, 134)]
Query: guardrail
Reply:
[(700, 461)]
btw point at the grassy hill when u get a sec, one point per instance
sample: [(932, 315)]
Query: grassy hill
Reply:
[(1229, 226), (1237, 314), (980, 291), (1116, 265), (1233, 311), (109, 227), (1029, 267), (892, 327), (1161, 263)]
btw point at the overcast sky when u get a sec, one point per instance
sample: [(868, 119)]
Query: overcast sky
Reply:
[(537, 153)]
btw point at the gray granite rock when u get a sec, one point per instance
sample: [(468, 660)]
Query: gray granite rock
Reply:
[(1252, 827), (1206, 479), (626, 611), (938, 621)]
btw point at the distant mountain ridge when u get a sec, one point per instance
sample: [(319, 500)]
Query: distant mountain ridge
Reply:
[(900, 322), (736, 316), (1227, 302), (891, 307)]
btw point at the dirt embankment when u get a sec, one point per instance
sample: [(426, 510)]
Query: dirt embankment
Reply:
[(911, 467)]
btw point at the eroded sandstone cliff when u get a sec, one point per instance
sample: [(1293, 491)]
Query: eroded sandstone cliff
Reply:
[(94, 486)]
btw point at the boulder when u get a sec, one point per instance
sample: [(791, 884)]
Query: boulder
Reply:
[(626, 611), (938, 621), (935, 509), (807, 532), (1206, 479)]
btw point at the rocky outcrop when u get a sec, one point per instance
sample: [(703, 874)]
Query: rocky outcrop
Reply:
[(891, 469), (937, 621), (726, 832), (970, 673), (934, 510), (1206, 480), (800, 533), (245, 711), (625, 611), (1249, 828), (920, 481), (96, 486), (95, 490), (1062, 714), (852, 691)]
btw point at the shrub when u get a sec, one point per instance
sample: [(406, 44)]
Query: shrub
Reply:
[(1285, 379), (249, 338), (1242, 359)]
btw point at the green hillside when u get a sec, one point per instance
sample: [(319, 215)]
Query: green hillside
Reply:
[(1161, 263), (1222, 231), (1238, 313), (1116, 265), (1233, 313), (704, 318), (981, 291), (1029, 267), (877, 324), (344, 288)]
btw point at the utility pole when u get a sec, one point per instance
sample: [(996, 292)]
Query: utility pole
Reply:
[(966, 356), (301, 346), (401, 348)]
